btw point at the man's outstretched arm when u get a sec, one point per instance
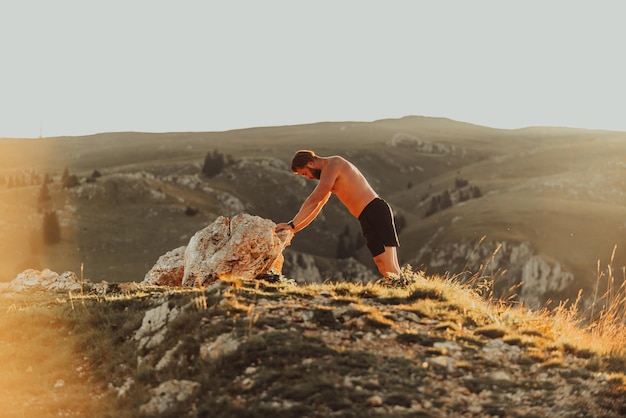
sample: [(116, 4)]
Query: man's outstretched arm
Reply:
[(313, 204)]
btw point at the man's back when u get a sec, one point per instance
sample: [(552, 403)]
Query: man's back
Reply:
[(350, 186)]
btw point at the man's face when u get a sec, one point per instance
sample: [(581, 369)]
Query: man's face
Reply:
[(310, 173)]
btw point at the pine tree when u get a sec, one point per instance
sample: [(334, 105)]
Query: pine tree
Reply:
[(51, 228), (69, 180), (446, 200), (44, 193), (215, 162)]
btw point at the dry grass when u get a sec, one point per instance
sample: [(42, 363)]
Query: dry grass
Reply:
[(597, 325), (603, 323), (597, 328)]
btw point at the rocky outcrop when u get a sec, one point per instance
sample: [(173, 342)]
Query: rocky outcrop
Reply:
[(349, 270), (153, 327), (244, 246), (540, 278), (45, 280), (302, 267), (513, 267)]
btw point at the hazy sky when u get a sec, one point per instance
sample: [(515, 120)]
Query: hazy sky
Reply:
[(84, 67)]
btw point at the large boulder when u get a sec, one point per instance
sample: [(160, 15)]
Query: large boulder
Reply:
[(244, 246)]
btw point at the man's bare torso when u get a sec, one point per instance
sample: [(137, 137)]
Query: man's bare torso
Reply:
[(350, 185)]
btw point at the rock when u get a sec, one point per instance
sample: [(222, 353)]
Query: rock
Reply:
[(243, 246), (153, 327), (540, 278), (168, 270), (167, 395), (304, 269), (224, 345), (45, 280), (447, 347), (375, 401), (301, 266), (122, 391), (443, 362), (168, 357), (499, 375)]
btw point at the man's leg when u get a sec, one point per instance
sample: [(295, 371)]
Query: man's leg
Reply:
[(387, 262)]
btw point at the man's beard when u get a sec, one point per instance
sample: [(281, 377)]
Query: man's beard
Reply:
[(316, 172)]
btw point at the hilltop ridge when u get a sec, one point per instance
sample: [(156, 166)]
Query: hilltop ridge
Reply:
[(416, 347)]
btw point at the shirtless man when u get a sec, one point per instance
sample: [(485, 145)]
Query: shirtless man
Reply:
[(337, 175)]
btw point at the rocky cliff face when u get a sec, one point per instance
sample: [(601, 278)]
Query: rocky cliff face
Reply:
[(515, 268), (305, 268)]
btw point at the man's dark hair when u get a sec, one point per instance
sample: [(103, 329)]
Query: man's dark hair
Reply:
[(302, 158)]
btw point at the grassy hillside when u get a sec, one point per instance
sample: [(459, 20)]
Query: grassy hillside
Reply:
[(420, 347), (560, 190)]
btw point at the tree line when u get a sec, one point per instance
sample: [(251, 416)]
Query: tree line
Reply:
[(462, 192)]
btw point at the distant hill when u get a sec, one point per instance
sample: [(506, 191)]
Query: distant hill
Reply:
[(540, 210)]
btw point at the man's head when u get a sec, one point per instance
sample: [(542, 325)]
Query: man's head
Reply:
[(302, 163)]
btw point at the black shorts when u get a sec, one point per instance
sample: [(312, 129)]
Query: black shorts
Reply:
[(379, 228)]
